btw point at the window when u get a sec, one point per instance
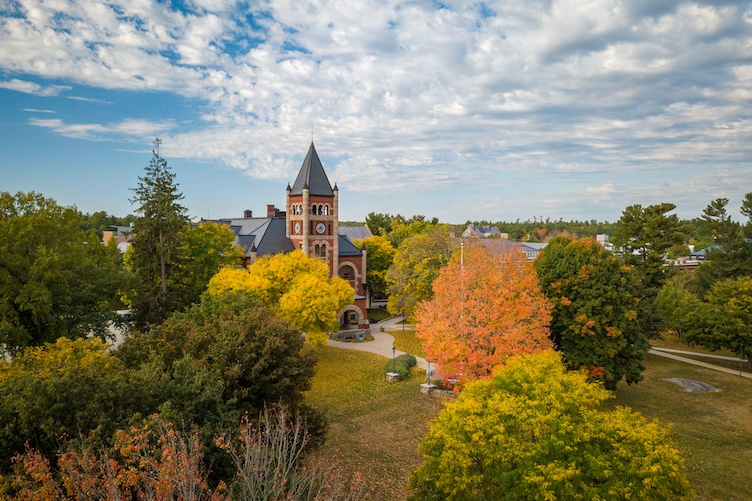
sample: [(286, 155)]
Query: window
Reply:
[(348, 273)]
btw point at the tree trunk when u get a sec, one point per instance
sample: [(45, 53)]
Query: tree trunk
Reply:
[(162, 270)]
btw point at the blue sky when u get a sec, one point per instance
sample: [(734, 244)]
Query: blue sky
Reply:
[(497, 110)]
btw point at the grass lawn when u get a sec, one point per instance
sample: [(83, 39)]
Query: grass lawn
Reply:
[(378, 314), (375, 427), (407, 342), (713, 431)]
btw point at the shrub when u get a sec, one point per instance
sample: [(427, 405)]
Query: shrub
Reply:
[(401, 365)]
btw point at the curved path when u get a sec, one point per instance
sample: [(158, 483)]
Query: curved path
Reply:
[(382, 342), (382, 345)]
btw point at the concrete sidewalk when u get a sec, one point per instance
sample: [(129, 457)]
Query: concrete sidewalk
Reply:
[(383, 342)]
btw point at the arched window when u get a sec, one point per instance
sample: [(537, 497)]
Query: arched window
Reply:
[(348, 273), (326, 210)]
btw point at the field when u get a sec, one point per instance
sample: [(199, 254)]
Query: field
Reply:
[(375, 427)]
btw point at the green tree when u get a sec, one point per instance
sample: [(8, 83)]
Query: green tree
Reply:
[(379, 224), (54, 280), (676, 302), (258, 357), (536, 431), (724, 319), (644, 237), (719, 225), (416, 265), (59, 390), (205, 250), (732, 255), (380, 254), (595, 310), (157, 239)]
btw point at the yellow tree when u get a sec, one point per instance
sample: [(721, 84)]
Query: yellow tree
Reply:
[(488, 305), (537, 431), (298, 288)]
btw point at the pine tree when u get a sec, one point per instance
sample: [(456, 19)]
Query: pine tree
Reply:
[(156, 239)]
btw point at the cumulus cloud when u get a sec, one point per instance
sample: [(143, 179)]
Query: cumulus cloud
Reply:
[(416, 95)]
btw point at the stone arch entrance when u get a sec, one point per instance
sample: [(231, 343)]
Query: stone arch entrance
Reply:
[(351, 317)]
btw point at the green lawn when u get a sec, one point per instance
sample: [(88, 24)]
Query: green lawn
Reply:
[(378, 314), (407, 342), (713, 431), (375, 427)]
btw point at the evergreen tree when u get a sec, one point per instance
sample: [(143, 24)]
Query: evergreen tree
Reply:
[(156, 239)]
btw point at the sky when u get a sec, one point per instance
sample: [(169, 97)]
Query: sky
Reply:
[(496, 110)]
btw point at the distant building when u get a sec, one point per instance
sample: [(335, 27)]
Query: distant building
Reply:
[(310, 223), (475, 231), (121, 235)]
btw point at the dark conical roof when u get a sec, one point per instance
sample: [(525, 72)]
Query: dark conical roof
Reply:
[(312, 176)]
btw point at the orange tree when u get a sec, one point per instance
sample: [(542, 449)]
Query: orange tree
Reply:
[(487, 306), (595, 301)]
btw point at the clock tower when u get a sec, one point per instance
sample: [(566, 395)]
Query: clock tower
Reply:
[(312, 213)]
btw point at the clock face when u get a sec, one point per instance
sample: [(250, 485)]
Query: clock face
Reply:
[(320, 227), (297, 227)]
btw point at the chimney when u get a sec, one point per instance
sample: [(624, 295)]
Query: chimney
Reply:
[(247, 213), (270, 210)]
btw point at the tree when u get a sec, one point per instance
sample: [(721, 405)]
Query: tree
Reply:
[(644, 237), (675, 303), (724, 320), (719, 224), (156, 239), (158, 461), (58, 390), (536, 431), (380, 254), (205, 250), (487, 306), (416, 265), (54, 280), (379, 224), (732, 255), (257, 357), (595, 310), (296, 287)]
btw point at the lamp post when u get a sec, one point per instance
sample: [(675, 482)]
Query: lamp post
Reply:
[(394, 352), (428, 372)]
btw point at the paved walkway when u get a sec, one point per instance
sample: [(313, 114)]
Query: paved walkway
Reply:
[(691, 361), (383, 342)]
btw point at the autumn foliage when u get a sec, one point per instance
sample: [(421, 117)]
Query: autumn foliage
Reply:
[(294, 286), (536, 431), (488, 306), (155, 461)]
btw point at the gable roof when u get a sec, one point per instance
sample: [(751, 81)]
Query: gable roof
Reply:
[(313, 176), (347, 248), (260, 235), (360, 232)]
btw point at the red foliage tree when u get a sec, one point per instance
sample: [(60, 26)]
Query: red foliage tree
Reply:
[(488, 306)]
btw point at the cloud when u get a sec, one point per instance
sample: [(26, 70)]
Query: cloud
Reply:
[(128, 129), (33, 88), (34, 110), (591, 97)]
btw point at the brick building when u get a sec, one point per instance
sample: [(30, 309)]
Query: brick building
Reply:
[(310, 223)]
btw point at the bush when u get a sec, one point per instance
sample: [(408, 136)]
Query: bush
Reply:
[(401, 365)]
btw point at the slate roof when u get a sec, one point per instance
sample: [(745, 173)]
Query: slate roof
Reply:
[(265, 235), (312, 175), (347, 248), (355, 232)]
